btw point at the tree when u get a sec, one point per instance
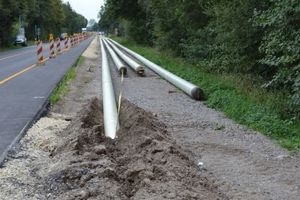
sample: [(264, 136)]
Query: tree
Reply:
[(51, 16), (92, 25), (129, 17), (280, 47), (9, 13), (74, 22)]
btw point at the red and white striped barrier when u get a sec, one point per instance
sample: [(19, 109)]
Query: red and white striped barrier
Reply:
[(58, 49), (40, 52), (72, 41), (52, 50), (66, 43)]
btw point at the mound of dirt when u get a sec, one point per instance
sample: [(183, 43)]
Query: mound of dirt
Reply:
[(142, 163)]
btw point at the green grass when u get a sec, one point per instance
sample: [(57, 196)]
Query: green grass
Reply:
[(9, 48), (238, 96), (62, 89)]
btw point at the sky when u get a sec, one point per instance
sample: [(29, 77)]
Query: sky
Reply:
[(88, 8)]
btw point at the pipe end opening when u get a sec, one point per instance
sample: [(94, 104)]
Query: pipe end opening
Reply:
[(197, 94), (123, 70), (140, 70)]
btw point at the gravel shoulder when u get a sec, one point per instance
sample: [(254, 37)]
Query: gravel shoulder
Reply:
[(169, 147)]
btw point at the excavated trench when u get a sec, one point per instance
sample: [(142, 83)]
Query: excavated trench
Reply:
[(144, 162)]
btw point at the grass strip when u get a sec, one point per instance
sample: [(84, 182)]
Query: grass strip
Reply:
[(62, 89), (235, 95), (13, 47)]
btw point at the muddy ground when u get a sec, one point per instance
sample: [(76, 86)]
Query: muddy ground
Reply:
[(169, 147)]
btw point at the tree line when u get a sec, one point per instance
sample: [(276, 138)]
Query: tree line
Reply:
[(37, 16), (253, 37)]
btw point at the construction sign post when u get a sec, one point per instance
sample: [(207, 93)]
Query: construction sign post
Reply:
[(66, 43), (51, 37), (40, 52), (52, 51), (58, 49)]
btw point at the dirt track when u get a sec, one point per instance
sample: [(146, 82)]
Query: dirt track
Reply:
[(157, 154)]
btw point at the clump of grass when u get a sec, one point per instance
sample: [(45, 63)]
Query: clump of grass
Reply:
[(236, 95), (62, 89)]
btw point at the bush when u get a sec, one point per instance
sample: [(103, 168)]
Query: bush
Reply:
[(281, 47)]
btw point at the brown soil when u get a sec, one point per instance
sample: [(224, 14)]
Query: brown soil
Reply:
[(142, 162)]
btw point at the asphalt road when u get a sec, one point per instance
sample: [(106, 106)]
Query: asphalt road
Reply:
[(23, 97)]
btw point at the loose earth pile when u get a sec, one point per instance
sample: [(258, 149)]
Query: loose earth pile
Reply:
[(142, 163)]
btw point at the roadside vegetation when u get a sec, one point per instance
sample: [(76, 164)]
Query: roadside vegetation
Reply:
[(47, 16), (244, 54), (11, 47), (62, 88)]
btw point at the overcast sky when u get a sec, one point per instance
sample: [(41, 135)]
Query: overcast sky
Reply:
[(88, 8)]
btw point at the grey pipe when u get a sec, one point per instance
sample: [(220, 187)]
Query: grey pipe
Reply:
[(121, 67), (111, 122), (134, 65), (189, 88)]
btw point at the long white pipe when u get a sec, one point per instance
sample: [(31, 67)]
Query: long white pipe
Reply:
[(134, 65), (121, 67), (111, 122), (189, 88)]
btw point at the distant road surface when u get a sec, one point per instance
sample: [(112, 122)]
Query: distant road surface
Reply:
[(25, 88)]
